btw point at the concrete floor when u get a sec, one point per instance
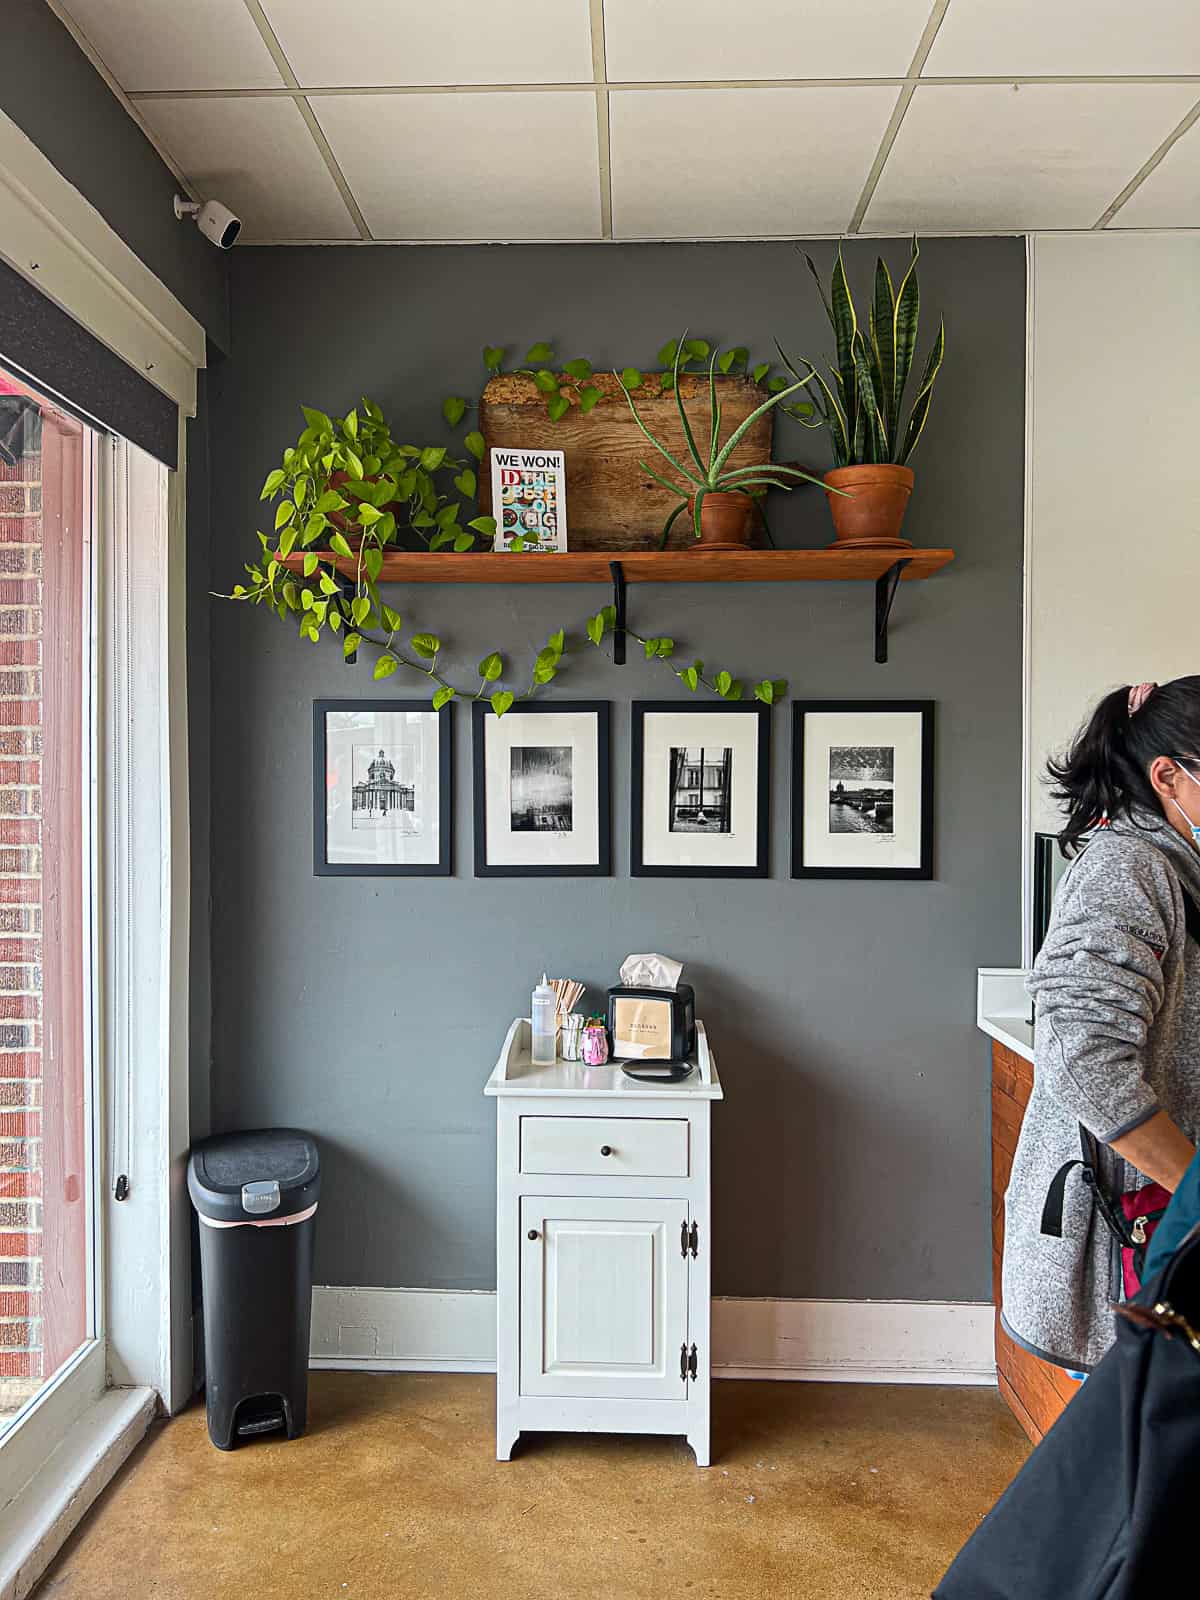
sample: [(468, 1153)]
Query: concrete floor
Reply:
[(816, 1490)]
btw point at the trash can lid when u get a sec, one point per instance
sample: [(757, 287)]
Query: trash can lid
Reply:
[(268, 1173)]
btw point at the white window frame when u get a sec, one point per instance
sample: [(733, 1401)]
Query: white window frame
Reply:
[(83, 1424)]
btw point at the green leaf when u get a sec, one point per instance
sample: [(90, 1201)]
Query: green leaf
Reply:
[(691, 677), (485, 525), (696, 349), (442, 697), (920, 410), (580, 368), (558, 642), (491, 667), (353, 465), (631, 378), (310, 566), (724, 682), (306, 599), (426, 645), (367, 514), (666, 356), (463, 540), (454, 409), (287, 541), (476, 444), (501, 701), (284, 512), (432, 457), (328, 584), (384, 667), (391, 619), (666, 380), (589, 398), (441, 538), (493, 357), (595, 628), (274, 479), (334, 620), (337, 543), (351, 643), (761, 371), (331, 500), (539, 352), (546, 381), (517, 542), (360, 609), (780, 687), (373, 561), (317, 420), (765, 691), (608, 615), (545, 672), (465, 483), (350, 425), (557, 407)]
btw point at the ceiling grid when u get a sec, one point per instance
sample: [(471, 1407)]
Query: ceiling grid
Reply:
[(663, 119)]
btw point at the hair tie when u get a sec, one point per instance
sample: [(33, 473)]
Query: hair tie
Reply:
[(1139, 693)]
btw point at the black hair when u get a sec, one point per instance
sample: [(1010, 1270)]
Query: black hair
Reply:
[(1105, 773)]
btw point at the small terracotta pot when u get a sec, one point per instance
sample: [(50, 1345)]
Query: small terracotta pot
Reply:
[(724, 521), (871, 509)]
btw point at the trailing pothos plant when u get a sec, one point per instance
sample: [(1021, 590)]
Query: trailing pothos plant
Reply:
[(710, 473), (863, 411), (347, 488)]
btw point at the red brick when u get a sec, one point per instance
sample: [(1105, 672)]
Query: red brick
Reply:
[(21, 950), (19, 830), (20, 1092), (19, 1335), (20, 1303), (26, 772), (20, 859), (22, 1124), (20, 1007), (20, 652), (20, 891), (21, 1364), (20, 1244), (25, 681), (20, 742), (19, 622), (20, 713), (20, 1185), (20, 591)]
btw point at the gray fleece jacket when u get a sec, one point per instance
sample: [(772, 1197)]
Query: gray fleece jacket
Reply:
[(1117, 1038)]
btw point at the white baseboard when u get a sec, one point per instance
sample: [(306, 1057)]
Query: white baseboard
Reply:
[(823, 1341)]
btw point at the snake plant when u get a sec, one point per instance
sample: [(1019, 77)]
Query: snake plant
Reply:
[(705, 474), (863, 409)]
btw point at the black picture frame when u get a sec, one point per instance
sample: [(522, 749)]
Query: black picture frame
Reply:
[(602, 867), (925, 709), (444, 866), (638, 867)]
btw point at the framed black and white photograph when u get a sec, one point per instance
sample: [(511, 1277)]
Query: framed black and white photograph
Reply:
[(862, 789), (542, 790), (381, 788), (700, 790)]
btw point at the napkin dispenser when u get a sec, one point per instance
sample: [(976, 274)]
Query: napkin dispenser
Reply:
[(649, 1024)]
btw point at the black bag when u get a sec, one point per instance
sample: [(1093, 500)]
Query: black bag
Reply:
[(1106, 1506)]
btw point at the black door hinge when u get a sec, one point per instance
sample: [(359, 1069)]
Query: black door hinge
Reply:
[(694, 1239), (693, 1364)]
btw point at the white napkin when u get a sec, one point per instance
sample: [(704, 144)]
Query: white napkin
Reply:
[(650, 972)]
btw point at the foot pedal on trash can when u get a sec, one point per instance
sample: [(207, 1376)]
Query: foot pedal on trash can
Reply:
[(265, 1416)]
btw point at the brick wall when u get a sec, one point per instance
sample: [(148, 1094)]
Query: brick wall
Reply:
[(21, 1342)]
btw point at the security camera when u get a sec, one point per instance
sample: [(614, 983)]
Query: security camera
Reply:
[(215, 221)]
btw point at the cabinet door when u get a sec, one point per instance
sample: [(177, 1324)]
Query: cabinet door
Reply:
[(604, 1289)]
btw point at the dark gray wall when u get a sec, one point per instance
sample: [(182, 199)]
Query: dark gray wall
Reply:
[(53, 93), (851, 1153)]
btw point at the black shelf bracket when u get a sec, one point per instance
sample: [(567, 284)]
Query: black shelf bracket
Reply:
[(346, 586), (618, 580), (885, 596)]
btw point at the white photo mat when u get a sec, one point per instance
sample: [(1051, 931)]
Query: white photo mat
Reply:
[(576, 731), (825, 731), (409, 741), (663, 731)]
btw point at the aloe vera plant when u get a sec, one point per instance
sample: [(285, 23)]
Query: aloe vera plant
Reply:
[(713, 475), (864, 409)]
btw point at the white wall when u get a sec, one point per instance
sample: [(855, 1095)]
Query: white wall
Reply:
[(1113, 571)]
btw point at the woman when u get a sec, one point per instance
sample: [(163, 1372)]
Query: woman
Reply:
[(1117, 1037)]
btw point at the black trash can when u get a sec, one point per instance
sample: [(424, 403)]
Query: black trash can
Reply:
[(256, 1198)]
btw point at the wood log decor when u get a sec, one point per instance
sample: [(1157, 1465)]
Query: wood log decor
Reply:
[(611, 503)]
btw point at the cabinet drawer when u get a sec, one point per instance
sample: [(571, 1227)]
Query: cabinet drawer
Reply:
[(637, 1147)]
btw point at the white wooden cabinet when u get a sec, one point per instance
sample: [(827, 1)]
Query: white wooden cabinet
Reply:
[(602, 1248)]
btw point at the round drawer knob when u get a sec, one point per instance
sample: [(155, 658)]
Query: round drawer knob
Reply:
[(606, 1150), (533, 1233)]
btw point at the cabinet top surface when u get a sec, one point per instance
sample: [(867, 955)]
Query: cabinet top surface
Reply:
[(515, 1074)]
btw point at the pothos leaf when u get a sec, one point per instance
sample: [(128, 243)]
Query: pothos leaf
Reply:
[(501, 701)]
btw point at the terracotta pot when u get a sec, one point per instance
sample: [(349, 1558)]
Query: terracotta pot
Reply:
[(876, 510), (724, 521), (346, 523)]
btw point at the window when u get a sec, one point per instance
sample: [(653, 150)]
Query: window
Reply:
[(47, 1210)]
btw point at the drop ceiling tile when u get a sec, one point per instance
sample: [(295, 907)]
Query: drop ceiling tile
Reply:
[(414, 43), (727, 163), (177, 44), (1170, 196), (469, 166), (993, 158), (258, 157), (1066, 38), (674, 40)]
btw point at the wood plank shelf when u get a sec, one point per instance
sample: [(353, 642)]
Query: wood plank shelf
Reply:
[(646, 566)]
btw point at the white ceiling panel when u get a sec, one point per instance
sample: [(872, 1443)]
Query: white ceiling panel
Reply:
[(703, 163), (413, 42), (672, 40), (469, 166), (993, 157), (258, 157), (1066, 38), (1170, 196), (177, 44)]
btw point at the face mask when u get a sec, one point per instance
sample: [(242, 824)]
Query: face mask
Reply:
[(1194, 826)]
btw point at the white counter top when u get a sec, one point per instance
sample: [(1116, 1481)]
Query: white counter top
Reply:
[(1003, 1008), (515, 1074)]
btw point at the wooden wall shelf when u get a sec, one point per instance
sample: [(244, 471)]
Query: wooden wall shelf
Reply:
[(884, 568), (645, 566)]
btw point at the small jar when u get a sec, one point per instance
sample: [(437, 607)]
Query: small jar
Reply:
[(572, 1035), (595, 1043)]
